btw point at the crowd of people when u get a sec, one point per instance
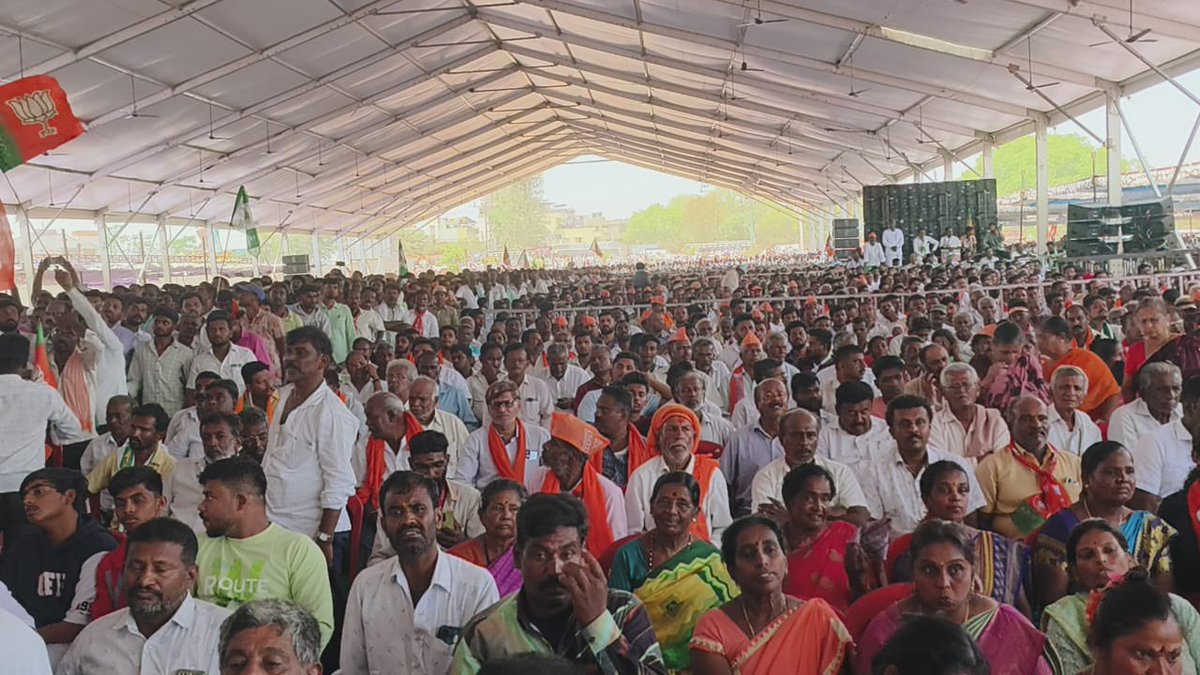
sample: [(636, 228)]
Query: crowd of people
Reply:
[(790, 466)]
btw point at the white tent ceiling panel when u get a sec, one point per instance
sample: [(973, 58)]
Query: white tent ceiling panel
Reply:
[(709, 18), (263, 23), (1071, 39), (30, 52), (616, 36), (93, 89), (328, 52), (252, 84), (299, 110), (392, 71), (63, 22), (176, 52)]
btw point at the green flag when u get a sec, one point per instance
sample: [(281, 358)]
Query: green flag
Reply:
[(242, 219), (403, 260)]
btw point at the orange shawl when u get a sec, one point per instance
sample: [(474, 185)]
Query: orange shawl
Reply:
[(703, 473), (591, 493), (1101, 383), (245, 400), (500, 454), (376, 467), (638, 453)]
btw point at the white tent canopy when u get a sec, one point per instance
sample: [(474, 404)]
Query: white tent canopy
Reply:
[(374, 115)]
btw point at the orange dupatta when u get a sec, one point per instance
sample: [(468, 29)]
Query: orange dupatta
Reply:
[(377, 465), (500, 454), (703, 471), (591, 493), (245, 400)]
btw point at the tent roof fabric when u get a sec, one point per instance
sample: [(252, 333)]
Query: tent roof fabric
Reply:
[(376, 114)]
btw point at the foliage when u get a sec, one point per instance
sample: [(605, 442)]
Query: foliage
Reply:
[(517, 214), (454, 256), (1069, 158), (715, 216)]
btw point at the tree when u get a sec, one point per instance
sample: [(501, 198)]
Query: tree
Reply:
[(517, 214), (1069, 158), (716, 216)]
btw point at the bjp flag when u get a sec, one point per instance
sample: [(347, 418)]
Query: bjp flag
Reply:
[(35, 117)]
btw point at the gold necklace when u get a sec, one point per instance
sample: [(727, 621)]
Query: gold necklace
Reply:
[(650, 553), (770, 617)]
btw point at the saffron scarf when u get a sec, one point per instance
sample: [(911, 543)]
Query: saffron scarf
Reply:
[(737, 387), (74, 389), (1051, 499), (419, 323), (703, 471), (246, 401), (376, 467), (591, 493), (637, 453), (499, 453)]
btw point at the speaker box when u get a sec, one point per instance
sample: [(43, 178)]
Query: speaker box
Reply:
[(296, 264), (936, 208), (1139, 227)]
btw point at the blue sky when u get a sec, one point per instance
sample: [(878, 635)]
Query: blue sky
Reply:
[(1161, 118)]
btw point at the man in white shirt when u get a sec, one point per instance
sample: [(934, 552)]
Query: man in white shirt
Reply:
[(505, 446), (404, 614), (183, 433), (537, 403), (118, 414), (220, 434), (852, 440), (1070, 430), (423, 322), (923, 246), (690, 390), (893, 244), (873, 252), (309, 309), (674, 439), (1163, 459), (849, 365), (307, 463), (423, 404), (367, 322), (951, 247), (221, 356), (393, 311), (1157, 405), (798, 432), (23, 649), (25, 410), (109, 356), (563, 377), (891, 479), (164, 630), (704, 353)]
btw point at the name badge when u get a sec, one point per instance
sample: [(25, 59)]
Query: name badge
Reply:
[(185, 671)]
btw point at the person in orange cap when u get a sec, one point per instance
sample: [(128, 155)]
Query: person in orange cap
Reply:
[(679, 347), (741, 381), (566, 467), (673, 440)]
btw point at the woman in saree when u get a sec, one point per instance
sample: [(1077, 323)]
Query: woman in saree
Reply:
[(1002, 562), (493, 550), (1097, 554), (676, 576), (825, 560), (1159, 344), (945, 567), (763, 631), (1134, 632), (1108, 483)]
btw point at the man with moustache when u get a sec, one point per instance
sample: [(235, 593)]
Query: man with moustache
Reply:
[(405, 614), (755, 445), (164, 630)]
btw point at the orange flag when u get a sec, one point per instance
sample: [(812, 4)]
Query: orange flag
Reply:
[(34, 118)]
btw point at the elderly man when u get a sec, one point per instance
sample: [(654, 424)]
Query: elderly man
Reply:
[(852, 439), (704, 355), (798, 432), (689, 390), (754, 446), (568, 468), (627, 449), (741, 380), (1070, 430), (1157, 405), (385, 450), (400, 374), (1030, 481), (963, 427), (423, 397), (398, 610), (933, 358), (505, 447), (564, 377), (1103, 394), (270, 636), (674, 438), (1163, 458), (451, 398), (891, 480)]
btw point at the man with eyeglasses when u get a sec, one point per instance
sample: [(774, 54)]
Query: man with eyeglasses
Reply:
[(506, 447)]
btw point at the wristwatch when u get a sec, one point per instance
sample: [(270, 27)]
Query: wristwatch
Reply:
[(323, 538)]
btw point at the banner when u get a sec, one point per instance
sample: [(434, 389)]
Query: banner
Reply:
[(34, 118)]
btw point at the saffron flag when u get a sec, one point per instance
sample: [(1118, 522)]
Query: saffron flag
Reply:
[(506, 260), (829, 246), (242, 219), (42, 360), (8, 254), (596, 248), (34, 118)]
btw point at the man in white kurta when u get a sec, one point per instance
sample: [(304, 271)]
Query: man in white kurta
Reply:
[(893, 245), (674, 438), (873, 252)]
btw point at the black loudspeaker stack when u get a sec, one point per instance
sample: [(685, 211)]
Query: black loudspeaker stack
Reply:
[(845, 237), (1140, 227)]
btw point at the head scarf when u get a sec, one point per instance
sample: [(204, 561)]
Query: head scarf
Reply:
[(667, 412), (576, 433)]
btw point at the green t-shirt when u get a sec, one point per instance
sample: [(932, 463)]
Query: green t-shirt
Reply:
[(274, 564)]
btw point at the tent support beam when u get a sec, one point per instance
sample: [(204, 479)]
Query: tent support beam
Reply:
[(105, 263), (164, 249), (1112, 146), (1042, 154), (989, 165)]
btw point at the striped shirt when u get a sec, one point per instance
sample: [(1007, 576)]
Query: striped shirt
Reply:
[(160, 378)]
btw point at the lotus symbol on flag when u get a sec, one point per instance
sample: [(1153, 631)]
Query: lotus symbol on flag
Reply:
[(36, 107)]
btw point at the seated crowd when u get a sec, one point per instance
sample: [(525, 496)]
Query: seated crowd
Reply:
[(964, 470)]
